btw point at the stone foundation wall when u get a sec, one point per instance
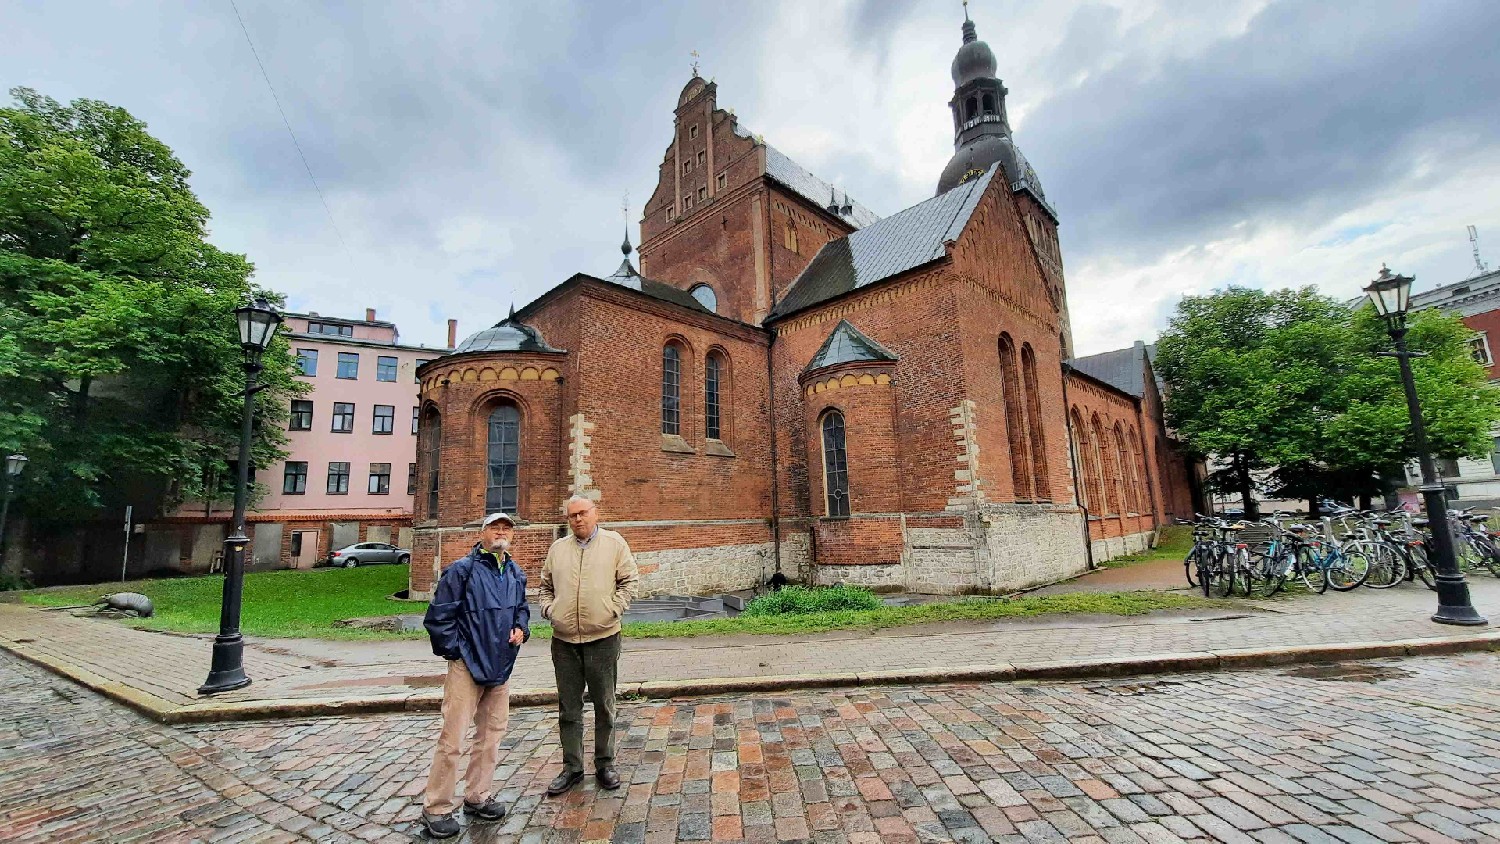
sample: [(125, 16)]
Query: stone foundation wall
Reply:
[(1030, 544), (705, 571), (888, 577), (1119, 546)]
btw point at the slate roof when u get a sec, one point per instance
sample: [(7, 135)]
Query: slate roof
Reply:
[(627, 276), (1123, 369), (847, 344), (888, 247), (507, 335), (801, 180)]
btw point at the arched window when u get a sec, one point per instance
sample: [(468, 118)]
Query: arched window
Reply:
[(971, 108), (790, 240), (1015, 420), (1036, 438), (432, 441), (1122, 461), (1087, 495), (705, 296), (712, 375), (835, 464), (504, 459), (1104, 463), (671, 389), (989, 103)]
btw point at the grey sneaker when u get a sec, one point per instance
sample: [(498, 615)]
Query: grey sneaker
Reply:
[(489, 811), (441, 826)]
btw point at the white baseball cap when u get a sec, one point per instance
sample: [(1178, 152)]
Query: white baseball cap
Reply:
[(498, 517)]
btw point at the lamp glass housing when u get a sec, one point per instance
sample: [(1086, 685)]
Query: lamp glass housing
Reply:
[(258, 323)]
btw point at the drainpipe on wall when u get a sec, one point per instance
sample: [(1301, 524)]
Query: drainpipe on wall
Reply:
[(775, 466), (1088, 544)]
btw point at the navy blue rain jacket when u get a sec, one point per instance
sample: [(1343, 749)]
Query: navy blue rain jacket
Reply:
[(479, 600)]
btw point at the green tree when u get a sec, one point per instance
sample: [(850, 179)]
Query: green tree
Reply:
[(1246, 370), (1293, 383), (120, 367)]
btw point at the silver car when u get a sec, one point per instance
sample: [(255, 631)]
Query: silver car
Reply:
[(364, 553)]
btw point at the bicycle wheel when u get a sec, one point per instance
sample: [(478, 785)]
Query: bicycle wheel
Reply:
[(1386, 566), (1310, 569), (1246, 572), (1218, 579), (1272, 572), (1418, 564), (1347, 568), (1191, 565)]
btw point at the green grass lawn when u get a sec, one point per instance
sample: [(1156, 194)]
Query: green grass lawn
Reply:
[(1175, 542), (283, 604), (305, 604)]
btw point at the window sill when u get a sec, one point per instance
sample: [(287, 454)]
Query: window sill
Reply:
[(718, 449), (676, 444)]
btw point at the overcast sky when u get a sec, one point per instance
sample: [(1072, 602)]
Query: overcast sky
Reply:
[(475, 154)]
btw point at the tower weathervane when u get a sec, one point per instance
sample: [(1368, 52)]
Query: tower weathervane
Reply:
[(695, 61)]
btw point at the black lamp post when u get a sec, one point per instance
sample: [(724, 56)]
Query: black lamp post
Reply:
[(13, 466), (258, 323), (1391, 295)]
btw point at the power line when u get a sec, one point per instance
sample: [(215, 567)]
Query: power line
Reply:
[(288, 124)]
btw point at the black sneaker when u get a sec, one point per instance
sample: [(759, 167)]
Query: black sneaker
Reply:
[(441, 826), (487, 812)]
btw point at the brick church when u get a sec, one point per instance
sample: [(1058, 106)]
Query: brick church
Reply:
[(790, 382)]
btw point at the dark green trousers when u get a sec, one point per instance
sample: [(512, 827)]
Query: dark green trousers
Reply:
[(594, 665)]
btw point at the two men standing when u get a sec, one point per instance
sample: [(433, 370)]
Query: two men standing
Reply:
[(478, 619)]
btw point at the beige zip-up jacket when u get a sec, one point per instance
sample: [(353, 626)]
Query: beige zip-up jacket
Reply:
[(585, 591)]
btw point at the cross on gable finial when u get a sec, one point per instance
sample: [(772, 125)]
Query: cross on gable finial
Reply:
[(695, 62), (966, 9), (625, 207)]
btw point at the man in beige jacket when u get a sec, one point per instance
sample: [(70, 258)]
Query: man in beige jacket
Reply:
[(587, 583)]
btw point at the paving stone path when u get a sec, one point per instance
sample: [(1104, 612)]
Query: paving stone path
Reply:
[(1390, 750)]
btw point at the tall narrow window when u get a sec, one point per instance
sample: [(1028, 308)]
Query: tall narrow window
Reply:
[(1122, 461), (294, 479), (504, 459), (1036, 437), (338, 478), (989, 103), (411, 478), (835, 464), (671, 389), (414, 376), (302, 413), (1104, 464), (416, 415), (711, 397), (433, 432), (385, 368), (1081, 454), (385, 419), (1015, 421), (343, 417)]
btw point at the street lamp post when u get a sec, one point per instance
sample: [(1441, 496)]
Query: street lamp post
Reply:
[(1391, 295), (14, 464), (258, 323)]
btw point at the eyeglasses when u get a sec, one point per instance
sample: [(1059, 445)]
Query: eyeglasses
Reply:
[(580, 514)]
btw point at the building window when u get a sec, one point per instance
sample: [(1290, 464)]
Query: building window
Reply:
[(302, 410), (722, 181), (1447, 467), (702, 194), (1495, 456), (434, 444), (338, 478), (835, 465), (343, 417), (418, 379), (330, 328), (701, 155), (1015, 421), (504, 459), (1479, 347), (1036, 438), (385, 419), (385, 368), (669, 211), (989, 103), (971, 108), (380, 479), (416, 414), (687, 166), (693, 131), (307, 362), (706, 297), (790, 241), (711, 370), (671, 389), (687, 202), (411, 478), (348, 365), (294, 479)]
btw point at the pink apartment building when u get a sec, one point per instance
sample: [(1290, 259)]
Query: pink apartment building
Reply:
[(350, 471)]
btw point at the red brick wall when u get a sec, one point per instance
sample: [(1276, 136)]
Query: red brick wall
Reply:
[(858, 541), (869, 435), (1121, 502)]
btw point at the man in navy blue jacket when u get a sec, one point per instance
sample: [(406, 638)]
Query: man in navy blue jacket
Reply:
[(477, 620)]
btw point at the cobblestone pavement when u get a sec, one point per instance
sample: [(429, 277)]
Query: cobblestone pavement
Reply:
[(170, 667)]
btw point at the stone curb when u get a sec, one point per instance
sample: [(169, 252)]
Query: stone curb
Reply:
[(430, 700)]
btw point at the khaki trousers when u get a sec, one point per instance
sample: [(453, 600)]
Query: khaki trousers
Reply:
[(488, 709)]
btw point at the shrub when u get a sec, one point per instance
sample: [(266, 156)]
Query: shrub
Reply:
[(12, 582), (802, 600)]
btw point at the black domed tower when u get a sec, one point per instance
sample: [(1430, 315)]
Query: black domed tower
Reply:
[(982, 137)]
